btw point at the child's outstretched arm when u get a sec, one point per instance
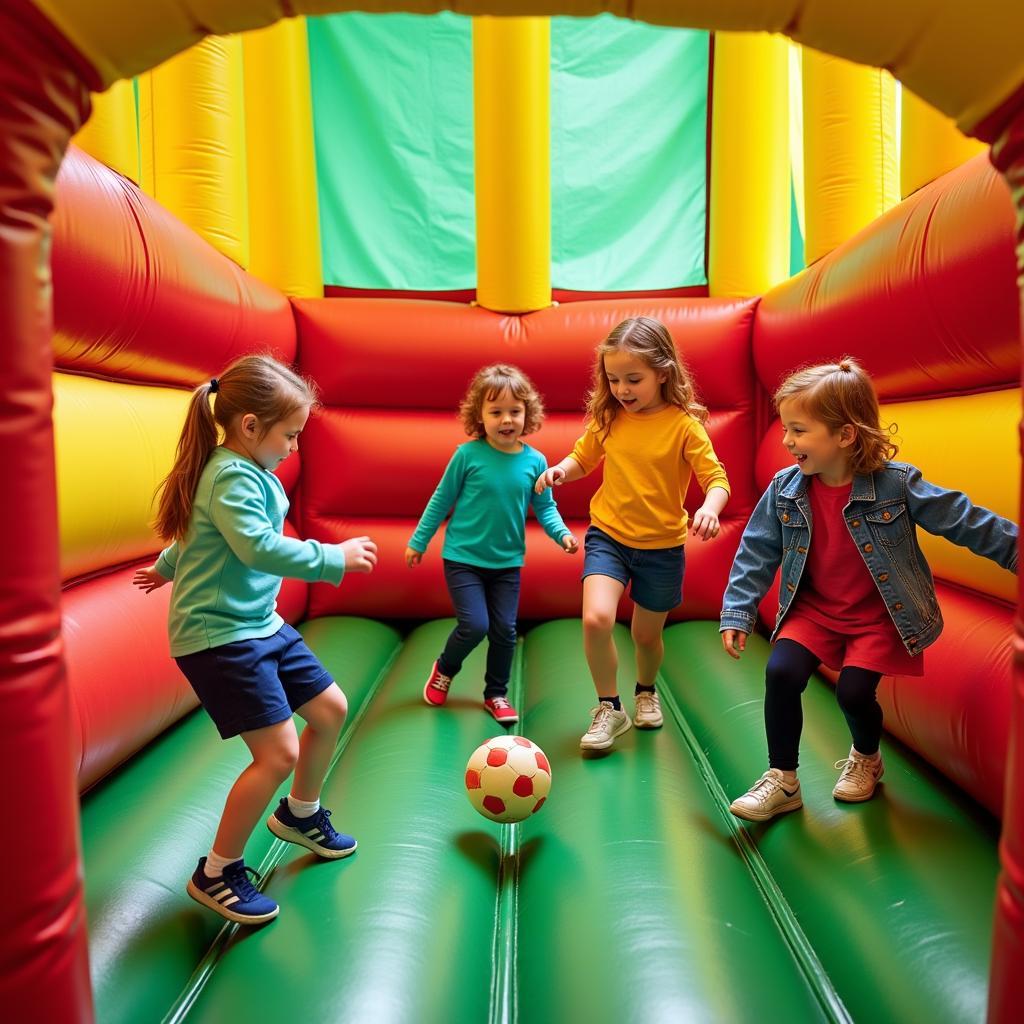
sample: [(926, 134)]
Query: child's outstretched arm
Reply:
[(563, 472), (699, 453), (753, 570), (154, 576), (546, 511), (442, 501), (951, 514), (705, 519)]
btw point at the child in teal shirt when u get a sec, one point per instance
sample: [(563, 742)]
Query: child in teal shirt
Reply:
[(223, 509), (488, 487)]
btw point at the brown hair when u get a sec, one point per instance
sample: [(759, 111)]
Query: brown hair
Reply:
[(649, 340), (253, 384), (839, 393), (488, 384)]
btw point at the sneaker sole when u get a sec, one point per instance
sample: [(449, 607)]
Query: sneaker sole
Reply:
[(292, 835), (200, 897), (748, 815), (503, 721), (608, 742)]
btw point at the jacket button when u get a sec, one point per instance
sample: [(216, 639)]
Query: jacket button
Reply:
[(912, 641), (790, 587), (855, 523), (869, 548), (785, 517), (883, 577), (898, 606), (801, 551), (887, 515)]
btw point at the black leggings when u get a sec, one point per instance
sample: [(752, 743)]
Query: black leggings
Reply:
[(789, 668)]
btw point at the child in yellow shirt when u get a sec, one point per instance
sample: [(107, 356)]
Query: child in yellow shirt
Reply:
[(644, 421)]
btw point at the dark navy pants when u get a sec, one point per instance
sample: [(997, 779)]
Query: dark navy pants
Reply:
[(486, 603)]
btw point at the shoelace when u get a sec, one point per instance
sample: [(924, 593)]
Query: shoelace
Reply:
[(646, 701), (855, 769), (237, 876), (322, 821), (764, 788), (500, 702), (441, 682), (601, 715)]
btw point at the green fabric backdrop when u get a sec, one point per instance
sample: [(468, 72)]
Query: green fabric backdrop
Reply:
[(393, 122)]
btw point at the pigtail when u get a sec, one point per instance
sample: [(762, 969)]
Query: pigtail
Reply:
[(177, 490)]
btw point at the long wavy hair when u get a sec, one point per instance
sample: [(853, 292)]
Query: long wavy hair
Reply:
[(839, 393), (255, 384), (647, 339), (490, 383)]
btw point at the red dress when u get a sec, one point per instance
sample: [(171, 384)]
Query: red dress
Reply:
[(838, 613)]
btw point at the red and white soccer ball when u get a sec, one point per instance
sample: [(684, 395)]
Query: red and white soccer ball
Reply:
[(508, 778)]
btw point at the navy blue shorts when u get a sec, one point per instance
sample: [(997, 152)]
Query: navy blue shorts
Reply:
[(250, 684), (655, 576)]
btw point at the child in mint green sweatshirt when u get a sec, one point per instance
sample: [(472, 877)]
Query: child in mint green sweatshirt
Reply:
[(487, 488), (223, 510)]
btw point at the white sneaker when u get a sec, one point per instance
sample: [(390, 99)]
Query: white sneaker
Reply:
[(859, 778), (767, 797), (648, 711), (606, 725)]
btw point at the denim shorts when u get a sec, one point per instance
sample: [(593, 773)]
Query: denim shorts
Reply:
[(250, 684), (655, 576)]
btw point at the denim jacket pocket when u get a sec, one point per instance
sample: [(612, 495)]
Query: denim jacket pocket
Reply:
[(890, 525)]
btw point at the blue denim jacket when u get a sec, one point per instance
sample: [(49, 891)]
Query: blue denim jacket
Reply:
[(882, 514)]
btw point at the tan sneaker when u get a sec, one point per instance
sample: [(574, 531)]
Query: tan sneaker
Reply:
[(767, 797), (606, 725), (648, 711), (859, 777)]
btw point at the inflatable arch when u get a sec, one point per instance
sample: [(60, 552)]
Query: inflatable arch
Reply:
[(712, 922)]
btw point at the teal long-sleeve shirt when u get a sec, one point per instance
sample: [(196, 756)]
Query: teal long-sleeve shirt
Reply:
[(228, 569), (488, 493)]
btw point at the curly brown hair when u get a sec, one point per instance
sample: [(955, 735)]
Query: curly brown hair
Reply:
[(649, 340), (490, 383), (839, 393), (256, 384)]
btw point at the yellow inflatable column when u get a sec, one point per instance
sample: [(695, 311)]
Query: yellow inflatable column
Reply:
[(930, 144), (850, 152), (284, 228), (111, 134), (511, 72), (194, 136), (749, 214)]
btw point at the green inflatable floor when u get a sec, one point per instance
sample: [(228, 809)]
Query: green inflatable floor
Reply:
[(632, 896)]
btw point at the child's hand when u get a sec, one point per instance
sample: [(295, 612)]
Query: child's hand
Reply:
[(549, 478), (734, 641), (705, 523), (360, 554), (571, 544), (413, 557), (149, 579)]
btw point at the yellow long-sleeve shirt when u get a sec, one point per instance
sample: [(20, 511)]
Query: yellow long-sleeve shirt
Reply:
[(648, 462)]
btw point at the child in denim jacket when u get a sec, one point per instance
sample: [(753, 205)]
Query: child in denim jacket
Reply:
[(860, 599)]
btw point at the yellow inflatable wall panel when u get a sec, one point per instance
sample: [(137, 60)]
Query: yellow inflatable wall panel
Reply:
[(930, 144), (749, 211), (111, 134), (967, 443), (284, 229), (114, 444), (512, 126), (850, 151), (198, 143)]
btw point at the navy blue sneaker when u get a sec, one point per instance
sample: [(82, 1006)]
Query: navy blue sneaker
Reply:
[(315, 833), (232, 895)]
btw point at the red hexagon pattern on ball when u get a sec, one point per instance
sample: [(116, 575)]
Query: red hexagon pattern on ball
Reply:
[(496, 757), (542, 762), (494, 804), (523, 786), (472, 779)]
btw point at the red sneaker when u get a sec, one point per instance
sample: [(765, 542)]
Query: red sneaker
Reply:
[(501, 710), (436, 690)]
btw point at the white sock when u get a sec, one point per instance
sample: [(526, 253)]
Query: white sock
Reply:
[(303, 808), (215, 864)]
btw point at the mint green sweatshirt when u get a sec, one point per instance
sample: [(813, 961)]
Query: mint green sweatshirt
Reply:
[(227, 570)]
